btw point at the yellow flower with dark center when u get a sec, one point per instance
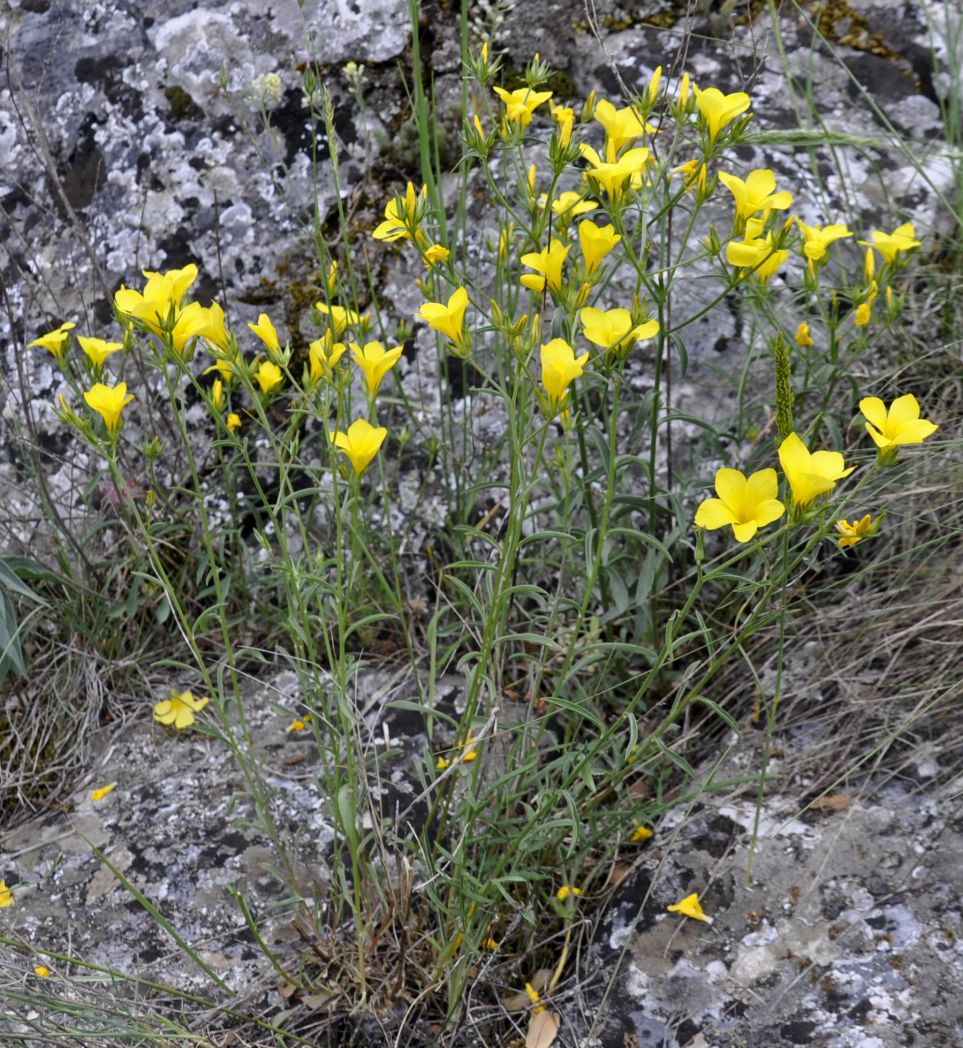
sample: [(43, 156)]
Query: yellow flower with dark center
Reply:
[(547, 263), (810, 474), (611, 328), (850, 534), (521, 103), (339, 317), (97, 350), (612, 176), (6, 896), (901, 424), (622, 126), (323, 354), (266, 332), (101, 792), (360, 444), (718, 110), (109, 402), (816, 239), (375, 361), (757, 193), (747, 504), (560, 368), (179, 710), (690, 907), (448, 319), (892, 245), (596, 242), (803, 336), (269, 377), (55, 341)]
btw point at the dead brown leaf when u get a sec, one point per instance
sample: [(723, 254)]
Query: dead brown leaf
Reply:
[(834, 802), (542, 1030)]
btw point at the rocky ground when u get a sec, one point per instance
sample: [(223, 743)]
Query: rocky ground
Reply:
[(134, 140)]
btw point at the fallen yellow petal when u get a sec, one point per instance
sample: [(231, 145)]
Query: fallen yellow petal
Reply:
[(689, 907)]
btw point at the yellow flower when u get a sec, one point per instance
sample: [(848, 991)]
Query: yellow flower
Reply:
[(375, 361), (816, 239), (564, 116), (300, 724), (548, 263), (689, 907), (641, 833), (803, 336), (233, 422), (490, 944), (863, 314), (850, 534), (622, 126), (613, 328), (339, 317), (810, 474), (266, 332), (755, 255), (102, 791), (695, 175), (109, 402), (718, 110), (596, 242), (361, 443), (179, 709), (97, 350), (560, 368), (217, 394), (393, 227), (190, 322), (569, 205), (55, 341), (757, 193), (323, 354), (535, 998), (268, 376), (521, 103), (215, 330), (42, 970), (435, 255), (441, 763), (892, 245), (654, 84), (746, 503), (446, 319), (901, 424), (6, 896), (565, 891), (613, 176), (158, 306)]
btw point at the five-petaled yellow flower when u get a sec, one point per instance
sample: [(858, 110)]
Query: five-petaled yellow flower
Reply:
[(596, 242), (269, 376), (718, 110), (97, 350), (6, 896), (109, 402), (158, 306), (850, 534), (360, 444), (55, 341), (266, 332), (375, 361), (611, 328), (449, 319), (612, 176), (568, 205), (757, 193), (810, 474), (398, 218), (901, 424), (548, 264), (892, 245), (101, 792), (690, 907), (521, 103), (179, 709), (816, 239), (756, 255), (560, 368), (622, 126), (747, 504)]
